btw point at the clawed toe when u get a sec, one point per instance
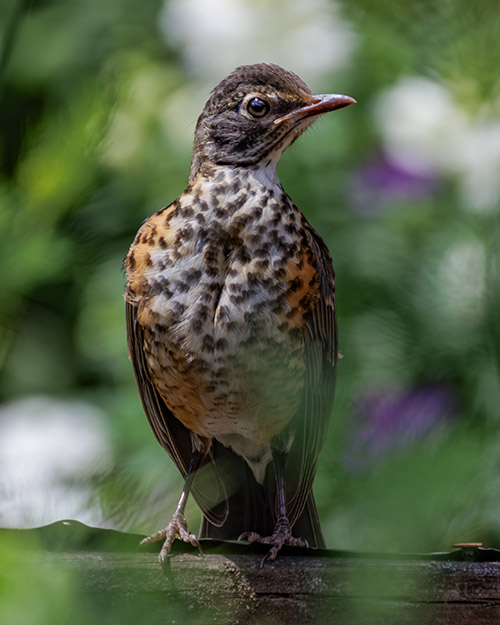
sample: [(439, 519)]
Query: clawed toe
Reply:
[(282, 535), (177, 528), (252, 537)]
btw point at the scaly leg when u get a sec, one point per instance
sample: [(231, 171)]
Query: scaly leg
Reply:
[(177, 526), (282, 533)]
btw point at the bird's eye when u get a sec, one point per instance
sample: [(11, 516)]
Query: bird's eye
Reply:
[(258, 107)]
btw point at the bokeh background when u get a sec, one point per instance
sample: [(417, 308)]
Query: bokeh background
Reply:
[(98, 104)]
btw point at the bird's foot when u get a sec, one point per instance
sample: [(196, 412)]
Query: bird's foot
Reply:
[(177, 528), (282, 535)]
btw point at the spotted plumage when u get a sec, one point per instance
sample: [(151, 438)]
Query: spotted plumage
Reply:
[(231, 319)]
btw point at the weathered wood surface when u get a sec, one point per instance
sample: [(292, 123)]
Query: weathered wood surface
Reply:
[(230, 588)]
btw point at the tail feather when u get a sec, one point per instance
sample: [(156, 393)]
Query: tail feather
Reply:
[(307, 526), (252, 509)]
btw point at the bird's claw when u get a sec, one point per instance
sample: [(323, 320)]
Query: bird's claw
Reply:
[(282, 535), (177, 528)]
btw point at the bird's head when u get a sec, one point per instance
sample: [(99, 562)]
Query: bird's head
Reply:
[(254, 114)]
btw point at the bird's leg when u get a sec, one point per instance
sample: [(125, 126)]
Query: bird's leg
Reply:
[(177, 526), (282, 533)]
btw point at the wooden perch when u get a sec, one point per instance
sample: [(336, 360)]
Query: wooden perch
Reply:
[(300, 587)]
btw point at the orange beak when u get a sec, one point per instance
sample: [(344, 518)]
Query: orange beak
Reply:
[(323, 103)]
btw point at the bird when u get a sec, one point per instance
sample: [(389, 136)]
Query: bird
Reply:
[(231, 322)]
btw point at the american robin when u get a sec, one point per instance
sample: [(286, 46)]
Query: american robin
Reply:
[(231, 321)]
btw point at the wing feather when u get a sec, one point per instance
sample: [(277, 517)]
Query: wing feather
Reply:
[(320, 345), (210, 494)]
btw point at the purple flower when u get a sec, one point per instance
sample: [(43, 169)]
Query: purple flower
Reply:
[(385, 422), (384, 181)]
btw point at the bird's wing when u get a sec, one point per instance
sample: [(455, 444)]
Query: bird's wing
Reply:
[(207, 487), (311, 422)]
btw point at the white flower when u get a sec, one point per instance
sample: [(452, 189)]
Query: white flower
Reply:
[(480, 165), (215, 36), (462, 277), (420, 122), (47, 449), (425, 129)]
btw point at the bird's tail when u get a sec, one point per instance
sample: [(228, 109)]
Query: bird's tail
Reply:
[(252, 509)]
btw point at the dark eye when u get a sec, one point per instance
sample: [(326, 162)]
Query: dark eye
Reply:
[(258, 107)]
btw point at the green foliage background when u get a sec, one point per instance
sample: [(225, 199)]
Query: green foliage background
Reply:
[(86, 155)]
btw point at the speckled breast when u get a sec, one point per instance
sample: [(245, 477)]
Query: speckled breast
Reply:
[(222, 280)]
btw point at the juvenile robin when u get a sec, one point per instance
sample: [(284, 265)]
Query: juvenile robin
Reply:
[(231, 321)]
